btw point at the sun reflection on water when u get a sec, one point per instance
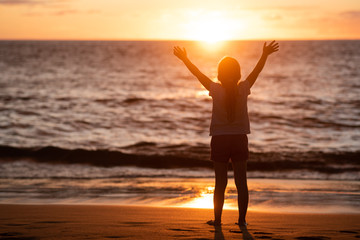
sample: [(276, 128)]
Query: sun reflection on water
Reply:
[(202, 93), (205, 200), (212, 45)]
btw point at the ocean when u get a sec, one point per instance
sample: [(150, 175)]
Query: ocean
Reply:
[(124, 122)]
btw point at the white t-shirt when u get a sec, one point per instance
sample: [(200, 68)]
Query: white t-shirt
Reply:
[(219, 122)]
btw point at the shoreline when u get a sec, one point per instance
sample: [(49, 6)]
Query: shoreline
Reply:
[(145, 222), (266, 195)]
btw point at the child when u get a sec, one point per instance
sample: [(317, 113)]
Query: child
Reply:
[(229, 124)]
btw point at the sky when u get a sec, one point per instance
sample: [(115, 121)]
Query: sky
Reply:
[(179, 19)]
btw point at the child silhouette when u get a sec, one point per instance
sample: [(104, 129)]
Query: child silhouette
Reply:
[(229, 124)]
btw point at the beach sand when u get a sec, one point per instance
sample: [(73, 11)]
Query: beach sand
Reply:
[(131, 222)]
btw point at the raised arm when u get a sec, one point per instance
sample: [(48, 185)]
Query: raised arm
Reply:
[(267, 50), (182, 55)]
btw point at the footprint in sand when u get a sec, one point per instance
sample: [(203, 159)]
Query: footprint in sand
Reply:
[(313, 238), (116, 236), (180, 230), (16, 224), (264, 233), (15, 235), (137, 223), (347, 231), (52, 222)]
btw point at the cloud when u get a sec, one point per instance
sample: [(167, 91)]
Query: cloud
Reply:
[(73, 11), (52, 7), (350, 14), (295, 8), (62, 12), (65, 12), (22, 2), (272, 17), (32, 2)]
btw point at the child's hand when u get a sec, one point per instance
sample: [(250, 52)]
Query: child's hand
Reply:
[(180, 53), (271, 48)]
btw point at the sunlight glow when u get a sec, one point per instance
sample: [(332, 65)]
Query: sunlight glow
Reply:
[(212, 46), (210, 21), (211, 27), (205, 200), (203, 93)]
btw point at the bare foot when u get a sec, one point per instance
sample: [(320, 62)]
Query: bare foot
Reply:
[(241, 223), (213, 223)]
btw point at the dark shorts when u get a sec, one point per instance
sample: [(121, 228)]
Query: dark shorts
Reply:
[(225, 147)]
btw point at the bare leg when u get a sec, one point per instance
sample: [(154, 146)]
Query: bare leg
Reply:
[(219, 192), (242, 189)]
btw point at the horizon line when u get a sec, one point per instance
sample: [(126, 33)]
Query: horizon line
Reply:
[(185, 40)]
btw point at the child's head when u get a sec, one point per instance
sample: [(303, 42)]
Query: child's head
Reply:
[(228, 70), (229, 74)]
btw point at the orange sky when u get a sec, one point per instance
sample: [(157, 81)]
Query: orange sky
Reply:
[(180, 19)]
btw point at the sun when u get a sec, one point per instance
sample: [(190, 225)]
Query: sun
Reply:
[(210, 31), (210, 27)]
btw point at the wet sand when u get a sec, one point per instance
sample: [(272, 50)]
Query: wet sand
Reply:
[(130, 222)]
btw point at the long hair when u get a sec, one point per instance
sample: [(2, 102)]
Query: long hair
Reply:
[(229, 75)]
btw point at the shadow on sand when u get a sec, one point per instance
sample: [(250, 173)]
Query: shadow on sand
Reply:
[(218, 233)]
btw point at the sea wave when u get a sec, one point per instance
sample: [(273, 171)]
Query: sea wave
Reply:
[(183, 156)]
